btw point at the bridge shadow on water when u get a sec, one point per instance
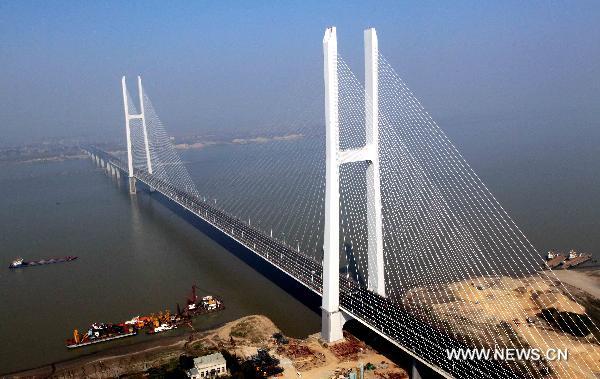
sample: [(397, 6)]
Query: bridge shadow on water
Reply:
[(290, 285)]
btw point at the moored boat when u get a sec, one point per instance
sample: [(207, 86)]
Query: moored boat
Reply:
[(100, 333)]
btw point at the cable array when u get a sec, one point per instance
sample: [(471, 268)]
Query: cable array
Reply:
[(446, 239), (166, 163)]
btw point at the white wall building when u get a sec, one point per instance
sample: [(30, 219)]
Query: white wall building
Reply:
[(208, 366)]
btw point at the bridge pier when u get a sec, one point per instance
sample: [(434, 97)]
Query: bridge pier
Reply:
[(132, 189), (417, 370), (332, 324)]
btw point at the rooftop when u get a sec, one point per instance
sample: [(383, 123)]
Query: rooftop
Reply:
[(211, 359)]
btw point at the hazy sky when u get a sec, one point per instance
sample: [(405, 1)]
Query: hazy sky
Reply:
[(210, 65)]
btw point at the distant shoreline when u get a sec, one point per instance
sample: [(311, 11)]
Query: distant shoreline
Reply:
[(52, 159)]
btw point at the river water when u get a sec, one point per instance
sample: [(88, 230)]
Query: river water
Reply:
[(135, 257), (138, 257)]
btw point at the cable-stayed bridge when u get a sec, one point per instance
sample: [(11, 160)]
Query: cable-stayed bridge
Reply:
[(384, 219)]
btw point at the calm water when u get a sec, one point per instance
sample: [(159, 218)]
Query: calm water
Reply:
[(138, 257), (135, 257)]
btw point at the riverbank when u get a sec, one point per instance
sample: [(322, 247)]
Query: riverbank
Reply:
[(241, 338), (587, 280)]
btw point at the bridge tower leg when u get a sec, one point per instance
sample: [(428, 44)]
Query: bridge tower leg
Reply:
[(332, 319), (376, 278), (144, 129), (417, 370), (132, 189)]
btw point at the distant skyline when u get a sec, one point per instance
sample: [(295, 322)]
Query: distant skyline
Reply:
[(224, 65)]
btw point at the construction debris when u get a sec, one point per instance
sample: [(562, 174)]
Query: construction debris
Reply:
[(349, 349)]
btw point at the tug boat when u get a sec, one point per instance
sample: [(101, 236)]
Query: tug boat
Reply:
[(162, 328)]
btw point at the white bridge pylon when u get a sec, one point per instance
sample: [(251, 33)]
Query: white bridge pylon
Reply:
[(332, 318), (128, 117)]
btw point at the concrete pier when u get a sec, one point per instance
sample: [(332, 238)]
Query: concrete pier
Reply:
[(132, 189)]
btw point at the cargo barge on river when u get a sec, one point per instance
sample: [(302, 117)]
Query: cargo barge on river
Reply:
[(100, 333), (556, 260), (151, 324), (19, 262)]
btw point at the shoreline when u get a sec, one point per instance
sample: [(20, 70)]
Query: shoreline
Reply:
[(584, 279), (47, 159)]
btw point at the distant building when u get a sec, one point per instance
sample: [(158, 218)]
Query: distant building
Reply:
[(208, 366)]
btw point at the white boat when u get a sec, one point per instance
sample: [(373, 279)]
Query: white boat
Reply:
[(163, 328), (18, 262)]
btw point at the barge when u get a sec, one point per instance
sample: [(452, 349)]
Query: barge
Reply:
[(19, 262), (100, 333), (152, 324), (565, 261)]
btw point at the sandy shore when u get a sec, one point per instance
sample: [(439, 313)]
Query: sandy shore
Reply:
[(587, 280)]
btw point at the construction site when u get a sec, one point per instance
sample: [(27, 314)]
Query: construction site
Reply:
[(535, 312)]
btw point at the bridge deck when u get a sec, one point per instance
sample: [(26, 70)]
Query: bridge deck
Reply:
[(380, 314)]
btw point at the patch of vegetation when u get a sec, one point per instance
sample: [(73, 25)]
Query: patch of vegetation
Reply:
[(174, 369), (247, 329), (198, 348), (241, 329)]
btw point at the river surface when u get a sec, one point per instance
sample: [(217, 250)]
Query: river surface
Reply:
[(138, 257), (135, 257)]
